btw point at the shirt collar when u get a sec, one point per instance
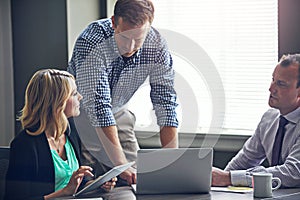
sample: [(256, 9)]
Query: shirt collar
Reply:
[(115, 47), (293, 116)]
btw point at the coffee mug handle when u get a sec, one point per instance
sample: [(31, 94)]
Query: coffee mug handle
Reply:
[(276, 179)]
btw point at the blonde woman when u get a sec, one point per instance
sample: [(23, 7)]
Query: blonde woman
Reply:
[(45, 156)]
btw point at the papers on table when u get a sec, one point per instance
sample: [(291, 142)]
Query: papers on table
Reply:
[(93, 198), (232, 189)]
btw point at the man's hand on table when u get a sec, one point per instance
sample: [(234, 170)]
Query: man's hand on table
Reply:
[(220, 177)]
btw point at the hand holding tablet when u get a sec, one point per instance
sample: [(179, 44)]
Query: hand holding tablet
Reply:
[(102, 179)]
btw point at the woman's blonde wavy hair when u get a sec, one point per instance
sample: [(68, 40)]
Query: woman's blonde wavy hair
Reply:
[(45, 100)]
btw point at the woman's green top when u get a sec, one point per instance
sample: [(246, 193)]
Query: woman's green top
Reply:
[(64, 168)]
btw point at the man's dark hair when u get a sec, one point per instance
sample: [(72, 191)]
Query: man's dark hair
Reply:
[(291, 59), (135, 12)]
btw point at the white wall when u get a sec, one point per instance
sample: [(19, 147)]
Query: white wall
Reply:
[(7, 118), (110, 7), (80, 14)]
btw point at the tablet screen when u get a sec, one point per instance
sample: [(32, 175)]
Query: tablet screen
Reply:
[(104, 178)]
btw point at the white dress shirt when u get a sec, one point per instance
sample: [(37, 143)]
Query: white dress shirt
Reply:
[(259, 147)]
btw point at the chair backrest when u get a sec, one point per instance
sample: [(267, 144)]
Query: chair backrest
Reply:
[(4, 159)]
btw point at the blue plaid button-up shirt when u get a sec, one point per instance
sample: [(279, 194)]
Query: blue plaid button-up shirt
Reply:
[(107, 81)]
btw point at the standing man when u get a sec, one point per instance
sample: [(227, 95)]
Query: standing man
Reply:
[(112, 58), (282, 154)]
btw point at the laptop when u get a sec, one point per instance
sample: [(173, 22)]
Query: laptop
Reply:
[(174, 171)]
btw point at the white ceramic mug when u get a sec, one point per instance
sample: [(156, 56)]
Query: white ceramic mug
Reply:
[(262, 184)]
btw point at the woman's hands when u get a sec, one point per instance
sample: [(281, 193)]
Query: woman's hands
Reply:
[(73, 184), (76, 179), (108, 186), (129, 175)]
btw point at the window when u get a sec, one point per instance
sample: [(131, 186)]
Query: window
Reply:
[(224, 55)]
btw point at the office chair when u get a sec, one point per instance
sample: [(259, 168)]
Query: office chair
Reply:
[(4, 159)]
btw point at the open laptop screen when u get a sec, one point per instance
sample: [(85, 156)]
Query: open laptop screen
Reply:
[(166, 171)]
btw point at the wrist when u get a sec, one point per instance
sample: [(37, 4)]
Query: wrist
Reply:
[(229, 178), (66, 192)]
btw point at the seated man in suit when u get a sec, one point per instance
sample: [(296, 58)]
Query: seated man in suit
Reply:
[(282, 152)]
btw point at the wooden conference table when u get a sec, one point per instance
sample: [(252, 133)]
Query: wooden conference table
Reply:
[(126, 193)]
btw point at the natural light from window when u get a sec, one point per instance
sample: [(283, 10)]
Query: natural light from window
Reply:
[(241, 39)]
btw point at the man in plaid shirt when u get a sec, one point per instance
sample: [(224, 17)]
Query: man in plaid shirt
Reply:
[(112, 58)]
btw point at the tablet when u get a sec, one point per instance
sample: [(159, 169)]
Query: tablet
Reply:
[(104, 178)]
